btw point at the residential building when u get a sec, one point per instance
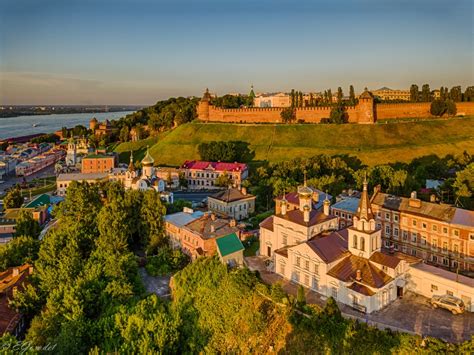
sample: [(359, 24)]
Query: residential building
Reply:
[(204, 174), (12, 281), (388, 94), (440, 234), (230, 250), (101, 128), (345, 209), (39, 213), (168, 175), (347, 265), (175, 222), (234, 203), (7, 229), (99, 163), (198, 236)]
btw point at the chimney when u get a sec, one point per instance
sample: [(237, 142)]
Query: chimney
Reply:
[(16, 272), (306, 211), (414, 201), (233, 222), (433, 198), (358, 275), (244, 190), (326, 206), (283, 207)]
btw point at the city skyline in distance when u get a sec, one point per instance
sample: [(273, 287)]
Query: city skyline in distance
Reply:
[(124, 52)]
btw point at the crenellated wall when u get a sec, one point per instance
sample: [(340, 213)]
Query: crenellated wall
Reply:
[(366, 111)]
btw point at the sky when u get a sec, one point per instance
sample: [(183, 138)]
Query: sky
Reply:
[(140, 51)]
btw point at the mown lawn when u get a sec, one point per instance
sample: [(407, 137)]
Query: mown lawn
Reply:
[(373, 144)]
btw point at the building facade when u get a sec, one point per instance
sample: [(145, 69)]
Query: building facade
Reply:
[(233, 203), (345, 210), (204, 174), (440, 234), (387, 94), (98, 163)]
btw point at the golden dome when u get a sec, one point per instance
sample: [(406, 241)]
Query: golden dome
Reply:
[(148, 160)]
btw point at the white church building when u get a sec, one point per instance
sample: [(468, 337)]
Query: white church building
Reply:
[(348, 264)]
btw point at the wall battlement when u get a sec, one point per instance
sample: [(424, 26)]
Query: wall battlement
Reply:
[(365, 112)]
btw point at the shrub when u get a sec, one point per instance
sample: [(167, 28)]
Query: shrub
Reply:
[(166, 261)]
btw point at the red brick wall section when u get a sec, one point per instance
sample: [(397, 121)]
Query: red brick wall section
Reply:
[(357, 114)]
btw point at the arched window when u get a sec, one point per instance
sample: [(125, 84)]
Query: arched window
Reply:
[(362, 243), (354, 243)]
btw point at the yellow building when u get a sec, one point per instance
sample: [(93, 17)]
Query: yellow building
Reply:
[(390, 94)]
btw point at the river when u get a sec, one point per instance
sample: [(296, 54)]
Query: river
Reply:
[(23, 125)]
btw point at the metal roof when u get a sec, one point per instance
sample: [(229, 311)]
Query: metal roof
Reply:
[(348, 204), (229, 244), (180, 219)]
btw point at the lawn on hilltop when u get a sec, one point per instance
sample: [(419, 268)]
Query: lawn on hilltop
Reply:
[(373, 144)]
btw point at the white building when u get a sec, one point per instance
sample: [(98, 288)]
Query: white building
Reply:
[(350, 265)]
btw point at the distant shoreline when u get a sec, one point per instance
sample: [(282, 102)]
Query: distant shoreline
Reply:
[(17, 111)]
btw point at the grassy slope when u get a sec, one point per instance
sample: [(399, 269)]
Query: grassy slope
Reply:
[(373, 144)]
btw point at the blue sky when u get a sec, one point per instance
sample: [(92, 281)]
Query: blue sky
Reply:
[(139, 51)]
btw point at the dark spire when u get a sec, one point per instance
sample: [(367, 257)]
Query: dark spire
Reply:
[(364, 211)]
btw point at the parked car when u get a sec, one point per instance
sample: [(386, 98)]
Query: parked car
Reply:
[(451, 303)]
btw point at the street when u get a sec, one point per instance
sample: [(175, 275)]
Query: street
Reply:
[(197, 196), (13, 180)]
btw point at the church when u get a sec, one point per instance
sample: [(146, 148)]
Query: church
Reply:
[(348, 264), (147, 180)]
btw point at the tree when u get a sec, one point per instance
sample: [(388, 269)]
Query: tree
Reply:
[(292, 98), (339, 95), (228, 151), (329, 97), (426, 93), (414, 93), (13, 198), (18, 251), (223, 180), (26, 225), (469, 94), (152, 212), (464, 185), (438, 108), (351, 95), (183, 182), (288, 115), (455, 94), (338, 114), (451, 107), (124, 134), (300, 100), (300, 296)]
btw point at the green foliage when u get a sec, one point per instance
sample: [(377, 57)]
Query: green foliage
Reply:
[(46, 138), (233, 101), (288, 115), (166, 261), (177, 206), (20, 250), (223, 180), (26, 225), (464, 186), (441, 107), (226, 151), (13, 198), (414, 93), (152, 212), (300, 296), (338, 115)]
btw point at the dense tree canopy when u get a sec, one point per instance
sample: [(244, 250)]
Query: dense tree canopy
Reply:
[(13, 198), (226, 151)]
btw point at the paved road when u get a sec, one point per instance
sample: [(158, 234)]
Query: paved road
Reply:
[(158, 285), (411, 314)]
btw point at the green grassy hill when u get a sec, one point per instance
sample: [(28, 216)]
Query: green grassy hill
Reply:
[(373, 144)]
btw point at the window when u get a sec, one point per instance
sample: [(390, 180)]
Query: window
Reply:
[(413, 237), (395, 232), (424, 225), (456, 248), (334, 292), (434, 259), (387, 230), (404, 220), (423, 240), (414, 223), (434, 227), (354, 243), (395, 246), (445, 230), (337, 213), (316, 269), (471, 236), (349, 216), (445, 246), (445, 262), (396, 218), (387, 244), (343, 215), (315, 283), (362, 243), (387, 216), (306, 264), (384, 268), (413, 252), (298, 261), (456, 232), (434, 288), (405, 235), (449, 293), (306, 280)]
